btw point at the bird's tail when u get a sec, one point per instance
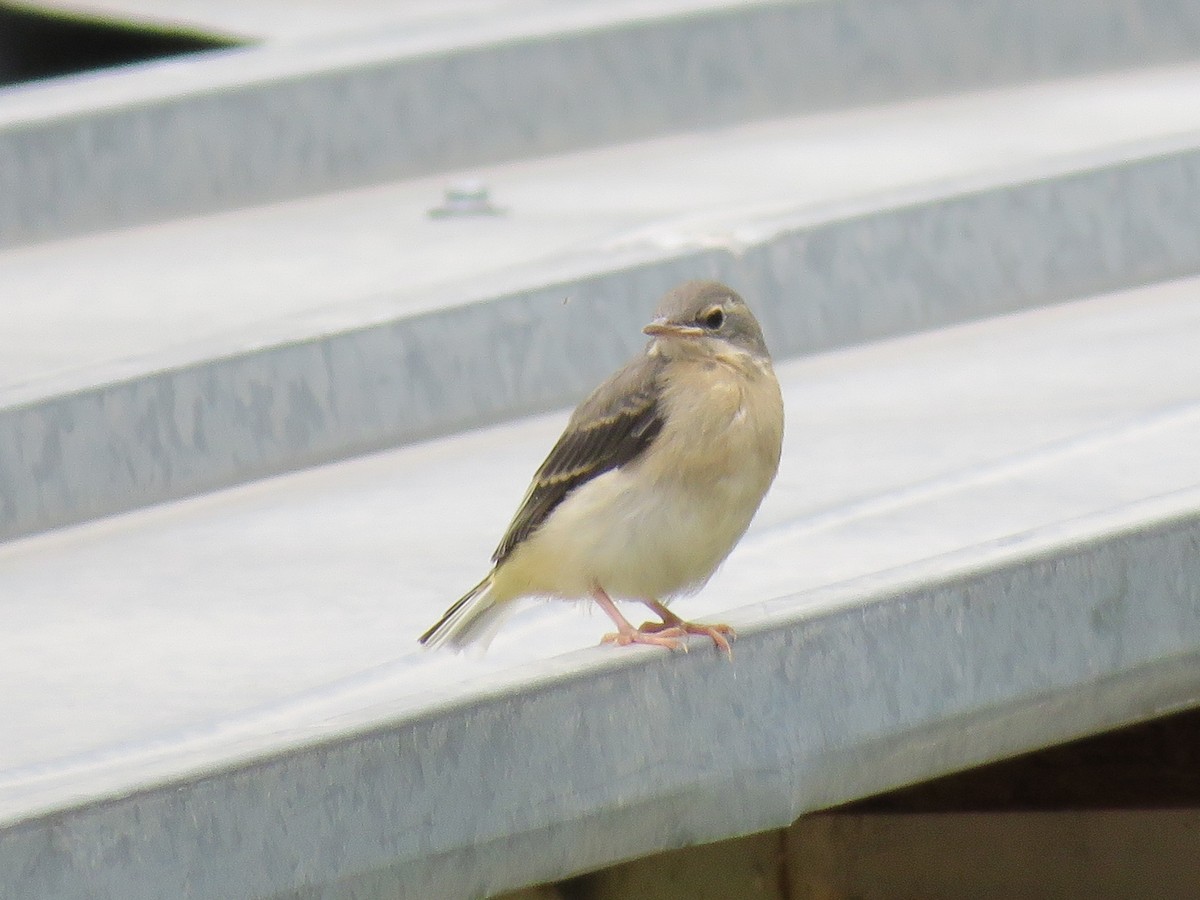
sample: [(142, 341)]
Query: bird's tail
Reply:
[(474, 616)]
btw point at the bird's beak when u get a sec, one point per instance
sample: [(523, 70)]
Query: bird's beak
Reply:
[(661, 327)]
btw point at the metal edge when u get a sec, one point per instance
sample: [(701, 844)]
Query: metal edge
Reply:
[(202, 426), (905, 675), (293, 130)]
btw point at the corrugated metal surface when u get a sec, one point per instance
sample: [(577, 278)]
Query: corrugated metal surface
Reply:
[(289, 119), (982, 540)]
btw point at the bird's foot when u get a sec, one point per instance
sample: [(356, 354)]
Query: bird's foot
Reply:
[(676, 627), (671, 632), (626, 634), (642, 636)]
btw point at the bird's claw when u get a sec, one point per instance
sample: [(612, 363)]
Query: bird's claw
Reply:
[(720, 635), (641, 636)]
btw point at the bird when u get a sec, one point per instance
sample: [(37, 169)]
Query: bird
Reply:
[(651, 485)]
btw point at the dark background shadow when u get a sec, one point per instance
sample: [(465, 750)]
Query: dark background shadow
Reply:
[(36, 45)]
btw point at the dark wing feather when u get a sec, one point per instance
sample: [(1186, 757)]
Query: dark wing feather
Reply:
[(612, 427)]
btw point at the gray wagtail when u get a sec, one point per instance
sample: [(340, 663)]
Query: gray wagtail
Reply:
[(653, 482)]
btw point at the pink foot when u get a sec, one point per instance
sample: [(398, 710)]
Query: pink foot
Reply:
[(673, 626), (669, 633), (718, 634), (626, 634), (641, 636)]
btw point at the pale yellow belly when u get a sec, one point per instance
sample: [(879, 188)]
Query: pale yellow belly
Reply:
[(663, 524)]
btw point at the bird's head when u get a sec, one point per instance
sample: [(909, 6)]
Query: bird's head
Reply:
[(706, 317)]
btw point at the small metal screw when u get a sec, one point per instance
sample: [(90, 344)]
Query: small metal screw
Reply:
[(466, 198)]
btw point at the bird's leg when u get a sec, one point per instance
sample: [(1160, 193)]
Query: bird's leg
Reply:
[(674, 626), (626, 634)]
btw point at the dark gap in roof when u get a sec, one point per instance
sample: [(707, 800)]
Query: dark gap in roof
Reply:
[(1152, 765), (36, 44)]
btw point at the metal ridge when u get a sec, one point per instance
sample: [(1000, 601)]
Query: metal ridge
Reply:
[(257, 124), (919, 260), (572, 764)]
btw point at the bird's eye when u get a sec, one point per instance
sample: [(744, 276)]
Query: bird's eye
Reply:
[(713, 319)]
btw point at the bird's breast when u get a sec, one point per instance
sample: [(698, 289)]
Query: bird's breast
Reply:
[(724, 423)]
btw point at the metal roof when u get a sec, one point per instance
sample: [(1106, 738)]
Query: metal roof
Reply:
[(266, 446)]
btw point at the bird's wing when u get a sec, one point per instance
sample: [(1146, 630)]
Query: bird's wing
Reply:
[(613, 426)]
